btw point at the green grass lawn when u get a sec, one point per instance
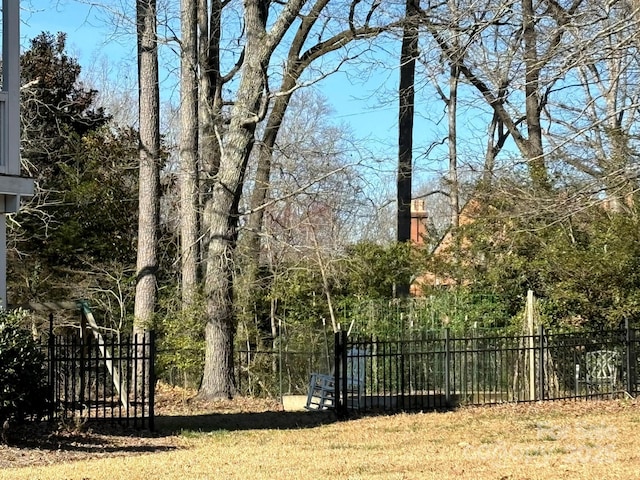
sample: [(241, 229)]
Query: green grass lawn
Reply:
[(579, 440)]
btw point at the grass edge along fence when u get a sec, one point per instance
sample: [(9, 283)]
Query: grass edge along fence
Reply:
[(443, 371)]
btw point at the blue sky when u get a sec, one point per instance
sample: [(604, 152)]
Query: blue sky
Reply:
[(73, 18), (87, 34)]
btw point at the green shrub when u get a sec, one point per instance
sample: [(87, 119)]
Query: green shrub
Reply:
[(23, 374), (180, 353)]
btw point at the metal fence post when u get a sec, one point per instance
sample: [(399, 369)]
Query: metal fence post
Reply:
[(337, 352), (447, 381), (152, 379), (345, 373), (51, 347), (541, 395), (631, 358), (401, 379)]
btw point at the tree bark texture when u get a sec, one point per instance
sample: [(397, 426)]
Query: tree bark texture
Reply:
[(454, 191), (149, 150), (222, 206), (189, 189), (535, 153), (222, 217), (148, 189)]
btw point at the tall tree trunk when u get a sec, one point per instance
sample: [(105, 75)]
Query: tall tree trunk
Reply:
[(149, 153), (454, 190), (222, 208), (189, 191), (406, 95), (535, 152), (210, 105), (222, 216), (618, 187), (149, 189)]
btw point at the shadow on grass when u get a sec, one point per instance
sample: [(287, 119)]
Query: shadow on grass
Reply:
[(101, 437), (171, 425), (84, 446), (92, 440)]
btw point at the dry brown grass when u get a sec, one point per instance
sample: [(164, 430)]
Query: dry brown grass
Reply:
[(580, 440)]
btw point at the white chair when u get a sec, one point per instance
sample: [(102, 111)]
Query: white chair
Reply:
[(322, 387), (321, 392), (601, 371)]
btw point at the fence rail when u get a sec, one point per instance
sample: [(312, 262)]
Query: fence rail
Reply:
[(442, 372)]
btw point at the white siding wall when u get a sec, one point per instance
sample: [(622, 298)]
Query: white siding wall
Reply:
[(12, 185)]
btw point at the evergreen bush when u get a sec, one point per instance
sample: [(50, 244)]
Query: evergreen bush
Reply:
[(23, 374)]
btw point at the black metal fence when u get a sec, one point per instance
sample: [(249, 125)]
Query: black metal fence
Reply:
[(95, 377), (441, 371)]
